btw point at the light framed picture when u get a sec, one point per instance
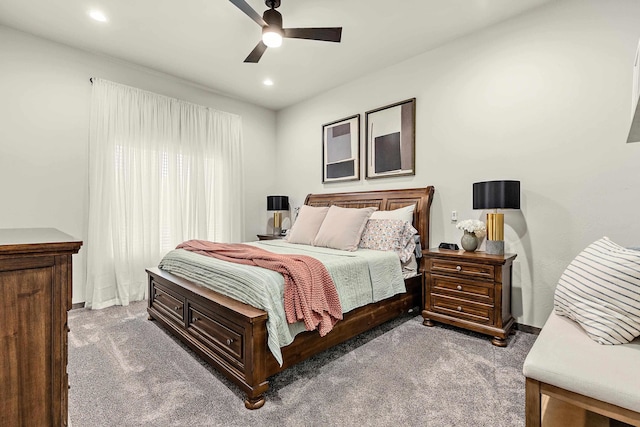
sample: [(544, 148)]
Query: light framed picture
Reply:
[(341, 150), (391, 140)]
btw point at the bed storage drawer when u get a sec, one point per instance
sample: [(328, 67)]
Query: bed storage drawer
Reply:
[(222, 336), (167, 302)]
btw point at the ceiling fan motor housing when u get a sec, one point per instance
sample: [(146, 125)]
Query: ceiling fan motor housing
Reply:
[(273, 18)]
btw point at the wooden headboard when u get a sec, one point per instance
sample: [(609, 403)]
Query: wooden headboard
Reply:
[(384, 200)]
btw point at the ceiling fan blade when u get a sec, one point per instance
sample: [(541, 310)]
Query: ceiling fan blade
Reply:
[(323, 34), (256, 53), (248, 10)]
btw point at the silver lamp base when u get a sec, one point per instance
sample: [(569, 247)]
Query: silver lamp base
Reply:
[(495, 247)]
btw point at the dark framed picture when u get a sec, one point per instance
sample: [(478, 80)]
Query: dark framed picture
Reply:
[(391, 140), (341, 150)]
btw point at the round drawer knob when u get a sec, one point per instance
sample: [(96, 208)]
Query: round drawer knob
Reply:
[(194, 320), (458, 268), (229, 341), (459, 287), (459, 308), (176, 308)]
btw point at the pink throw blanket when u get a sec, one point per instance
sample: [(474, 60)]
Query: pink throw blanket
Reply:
[(309, 292)]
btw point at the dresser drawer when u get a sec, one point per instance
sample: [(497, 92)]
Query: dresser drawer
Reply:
[(168, 303), (462, 309), (222, 336), (463, 289), (463, 269)]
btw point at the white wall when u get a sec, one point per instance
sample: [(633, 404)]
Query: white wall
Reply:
[(45, 98), (543, 98)]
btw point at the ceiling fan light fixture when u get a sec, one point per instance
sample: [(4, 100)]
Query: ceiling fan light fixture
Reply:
[(98, 15), (272, 37)]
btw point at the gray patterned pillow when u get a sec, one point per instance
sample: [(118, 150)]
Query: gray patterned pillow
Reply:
[(389, 235), (600, 290)]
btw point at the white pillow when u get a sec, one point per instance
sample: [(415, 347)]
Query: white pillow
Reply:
[(600, 290), (307, 224), (404, 214), (342, 228)]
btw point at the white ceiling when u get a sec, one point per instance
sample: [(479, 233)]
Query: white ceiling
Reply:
[(206, 41)]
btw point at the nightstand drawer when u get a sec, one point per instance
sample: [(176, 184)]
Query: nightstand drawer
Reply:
[(463, 289), (465, 269), (462, 309)]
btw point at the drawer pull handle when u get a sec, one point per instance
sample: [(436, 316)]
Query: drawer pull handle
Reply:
[(459, 308), (195, 319), (459, 287), (459, 268), (229, 341), (176, 308)]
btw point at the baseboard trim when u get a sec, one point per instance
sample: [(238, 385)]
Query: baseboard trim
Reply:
[(77, 305), (528, 329)]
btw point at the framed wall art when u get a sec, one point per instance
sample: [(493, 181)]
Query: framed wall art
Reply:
[(341, 150), (391, 140)]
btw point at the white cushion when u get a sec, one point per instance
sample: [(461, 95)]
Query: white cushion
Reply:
[(564, 356), (307, 224), (600, 290), (342, 228), (404, 214)]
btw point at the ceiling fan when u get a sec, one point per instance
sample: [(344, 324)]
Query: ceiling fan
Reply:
[(272, 31)]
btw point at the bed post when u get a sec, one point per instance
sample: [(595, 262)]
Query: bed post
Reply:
[(256, 375)]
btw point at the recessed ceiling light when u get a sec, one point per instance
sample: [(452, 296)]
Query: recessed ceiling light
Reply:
[(268, 82), (98, 15)]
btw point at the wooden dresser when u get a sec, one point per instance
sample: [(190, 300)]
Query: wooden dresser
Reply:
[(470, 290), (35, 295)]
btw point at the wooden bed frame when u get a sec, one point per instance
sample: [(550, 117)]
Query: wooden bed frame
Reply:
[(232, 337)]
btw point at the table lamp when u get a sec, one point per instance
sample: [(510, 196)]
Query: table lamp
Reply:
[(277, 204), (496, 195)]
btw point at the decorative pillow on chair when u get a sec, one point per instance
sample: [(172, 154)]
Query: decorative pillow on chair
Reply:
[(307, 224), (342, 228), (390, 235), (600, 290)]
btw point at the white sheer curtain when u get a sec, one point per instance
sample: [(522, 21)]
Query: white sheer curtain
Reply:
[(161, 171)]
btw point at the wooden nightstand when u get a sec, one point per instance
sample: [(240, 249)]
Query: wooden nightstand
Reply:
[(471, 290), (269, 237)]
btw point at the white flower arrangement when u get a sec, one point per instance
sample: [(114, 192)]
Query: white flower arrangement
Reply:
[(473, 226)]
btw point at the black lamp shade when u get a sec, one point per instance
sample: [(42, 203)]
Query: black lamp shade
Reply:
[(277, 203), (496, 195)]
